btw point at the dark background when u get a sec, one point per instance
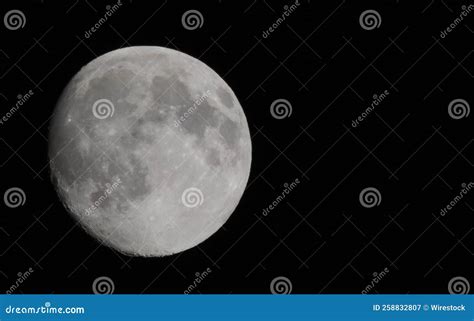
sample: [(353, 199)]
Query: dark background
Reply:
[(328, 68)]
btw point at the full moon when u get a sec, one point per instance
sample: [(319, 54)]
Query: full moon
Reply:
[(149, 150)]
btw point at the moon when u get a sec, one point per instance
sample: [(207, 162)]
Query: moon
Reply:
[(149, 150)]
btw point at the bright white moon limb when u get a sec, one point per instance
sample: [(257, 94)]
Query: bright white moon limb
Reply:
[(150, 150)]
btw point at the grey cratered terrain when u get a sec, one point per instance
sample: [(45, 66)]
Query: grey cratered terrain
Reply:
[(150, 150)]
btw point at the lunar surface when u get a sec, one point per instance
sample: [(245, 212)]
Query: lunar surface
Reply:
[(150, 150)]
